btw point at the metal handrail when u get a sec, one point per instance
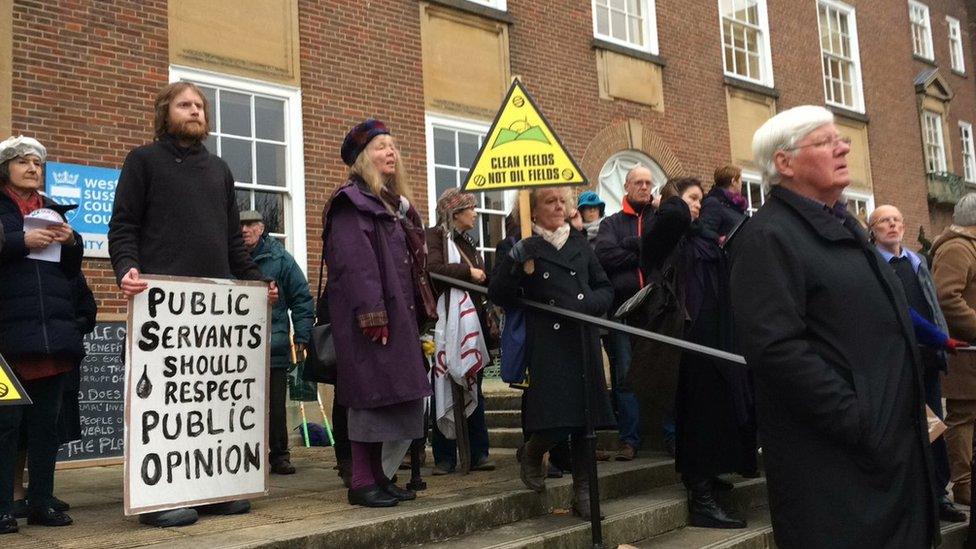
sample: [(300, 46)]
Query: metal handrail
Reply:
[(601, 322)]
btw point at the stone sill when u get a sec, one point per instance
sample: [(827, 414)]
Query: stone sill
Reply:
[(847, 113), (477, 9), (751, 87), (630, 52)]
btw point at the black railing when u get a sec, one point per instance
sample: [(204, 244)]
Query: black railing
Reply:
[(583, 320)]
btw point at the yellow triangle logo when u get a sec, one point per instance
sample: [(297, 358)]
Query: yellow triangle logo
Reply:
[(521, 150), (11, 391)]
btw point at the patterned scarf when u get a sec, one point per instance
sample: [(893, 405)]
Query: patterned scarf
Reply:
[(557, 238)]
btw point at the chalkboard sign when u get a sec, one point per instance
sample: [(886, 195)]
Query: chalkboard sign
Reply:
[(100, 397)]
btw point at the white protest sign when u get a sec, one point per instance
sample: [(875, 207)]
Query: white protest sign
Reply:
[(44, 218), (196, 401)]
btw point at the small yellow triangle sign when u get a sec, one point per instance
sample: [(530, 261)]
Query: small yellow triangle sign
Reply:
[(521, 150), (11, 391)]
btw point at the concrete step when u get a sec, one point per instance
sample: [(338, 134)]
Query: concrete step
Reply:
[(439, 516), (505, 419), (511, 437), (503, 400), (627, 519), (759, 535)]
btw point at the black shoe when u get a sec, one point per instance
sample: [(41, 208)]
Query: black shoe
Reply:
[(20, 508), (948, 511), (236, 507), (554, 472), (704, 511), (371, 496), (721, 484), (399, 493), (59, 505), (8, 524), (170, 518), (283, 467), (48, 517), (483, 464)]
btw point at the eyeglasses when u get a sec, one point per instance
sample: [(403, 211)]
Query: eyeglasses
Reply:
[(832, 141), (890, 219)]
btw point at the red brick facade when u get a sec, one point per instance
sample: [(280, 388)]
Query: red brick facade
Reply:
[(85, 74)]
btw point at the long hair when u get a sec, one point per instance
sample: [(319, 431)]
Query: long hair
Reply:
[(165, 97), (397, 183)]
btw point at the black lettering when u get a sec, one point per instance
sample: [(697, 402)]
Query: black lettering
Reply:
[(197, 307), (155, 296), (256, 334), (150, 420), (149, 340), (150, 479), (252, 458)]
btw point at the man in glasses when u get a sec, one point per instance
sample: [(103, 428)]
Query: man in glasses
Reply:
[(825, 327)]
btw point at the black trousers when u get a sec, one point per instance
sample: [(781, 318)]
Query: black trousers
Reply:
[(340, 432), (40, 420), (278, 429)]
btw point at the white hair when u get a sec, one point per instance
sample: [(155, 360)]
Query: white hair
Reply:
[(781, 132), (639, 166), (964, 214)]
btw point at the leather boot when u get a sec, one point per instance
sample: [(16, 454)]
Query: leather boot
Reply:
[(533, 469), (703, 510), (581, 481)]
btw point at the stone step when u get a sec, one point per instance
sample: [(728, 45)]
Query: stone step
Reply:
[(511, 437), (627, 519), (442, 516), (503, 400), (505, 419), (759, 535)]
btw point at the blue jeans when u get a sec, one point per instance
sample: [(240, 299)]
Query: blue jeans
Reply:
[(445, 450), (626, 406)]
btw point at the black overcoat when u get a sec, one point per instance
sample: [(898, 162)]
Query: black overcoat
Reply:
[(824, 326), (570, 278)]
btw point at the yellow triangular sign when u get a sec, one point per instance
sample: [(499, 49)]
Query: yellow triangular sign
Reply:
[(521, 150), (11, 391)]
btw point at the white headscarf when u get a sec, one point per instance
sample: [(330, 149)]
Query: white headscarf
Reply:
[(13, 147)]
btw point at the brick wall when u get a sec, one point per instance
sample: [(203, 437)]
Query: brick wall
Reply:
[(84, 78)]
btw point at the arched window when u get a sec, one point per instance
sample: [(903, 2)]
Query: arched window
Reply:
[(614, 174)]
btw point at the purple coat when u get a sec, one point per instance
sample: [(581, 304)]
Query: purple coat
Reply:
[(371, 284)]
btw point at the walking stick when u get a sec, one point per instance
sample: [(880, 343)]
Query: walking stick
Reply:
[(301, 406), (325, 418), (596, 528)]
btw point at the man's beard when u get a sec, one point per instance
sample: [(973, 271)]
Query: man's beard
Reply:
[(190, 130)]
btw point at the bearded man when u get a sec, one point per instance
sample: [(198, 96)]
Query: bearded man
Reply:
[(176, 214)]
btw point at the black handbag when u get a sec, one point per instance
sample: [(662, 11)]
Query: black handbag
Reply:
[(320, 362)]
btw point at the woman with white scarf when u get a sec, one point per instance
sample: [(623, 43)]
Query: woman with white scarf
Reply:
[(568, 275), (451, 252)]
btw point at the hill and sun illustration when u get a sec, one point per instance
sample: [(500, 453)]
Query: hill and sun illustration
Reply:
[(520, 130)]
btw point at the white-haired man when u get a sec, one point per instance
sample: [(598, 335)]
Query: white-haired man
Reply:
[(825, 327)]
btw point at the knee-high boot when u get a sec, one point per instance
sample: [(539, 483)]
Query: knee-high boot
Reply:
[(533, 469), (581, 480), (703, 510)]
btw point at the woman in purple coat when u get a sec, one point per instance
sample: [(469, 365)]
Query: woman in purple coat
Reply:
[(378, 293)]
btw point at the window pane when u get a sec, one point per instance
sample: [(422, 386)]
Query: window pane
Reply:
[(636, 33), (444, 179), (271, 164), (235, 113), (602, 21), (243, 200), (237, 154), (444, 147), (272, 207), (269, 118), (618, 25), (754, 67), (617, 4), (210, 93), (494, 200), (211, 143), (467, 149)]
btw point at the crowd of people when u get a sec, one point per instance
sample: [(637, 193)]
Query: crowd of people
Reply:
[(847, 333)]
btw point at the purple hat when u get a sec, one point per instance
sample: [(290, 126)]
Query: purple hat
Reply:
[(359, 136)]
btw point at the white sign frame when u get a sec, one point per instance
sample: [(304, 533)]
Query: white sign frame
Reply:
[(142, 498)]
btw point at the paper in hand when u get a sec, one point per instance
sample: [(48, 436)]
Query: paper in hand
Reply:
[(44, 218)]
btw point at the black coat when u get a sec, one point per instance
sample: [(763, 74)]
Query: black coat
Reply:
[(570, 278), (617, 245), (37, 313), (719, 215), (824, 326)]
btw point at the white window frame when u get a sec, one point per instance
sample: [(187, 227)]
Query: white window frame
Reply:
[(753, 202), (957, 59), (932, 127), (765, 52), (472, 126), (857, 104), (968, 154), (867, 198), (649, 28), (921, 30), (294, 197), (500, 5)]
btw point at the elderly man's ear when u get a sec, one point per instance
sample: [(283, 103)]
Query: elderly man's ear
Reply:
[(784, 163)]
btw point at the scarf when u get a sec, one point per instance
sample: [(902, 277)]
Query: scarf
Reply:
[(26, 205), (557, 238), (736, 199)]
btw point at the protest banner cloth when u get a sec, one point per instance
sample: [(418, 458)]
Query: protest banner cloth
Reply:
[(11, 391), (196, 393)]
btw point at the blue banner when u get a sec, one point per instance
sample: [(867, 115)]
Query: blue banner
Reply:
[(93, 190)]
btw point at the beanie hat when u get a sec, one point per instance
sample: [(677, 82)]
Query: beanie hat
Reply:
[(590, 199), (21, 146), (359, 136), (964, 213), (452, 201)]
